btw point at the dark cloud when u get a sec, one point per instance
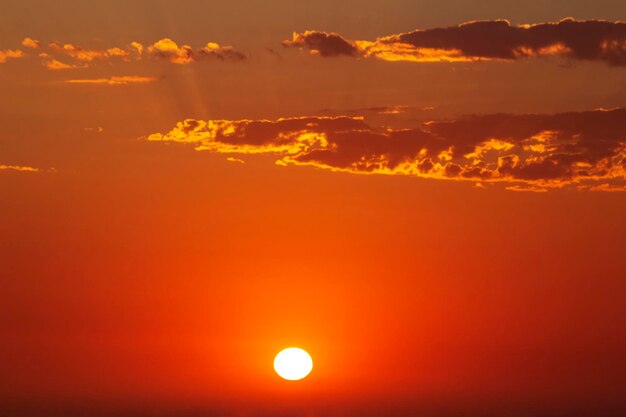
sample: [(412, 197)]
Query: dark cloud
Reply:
[(389, 110), (534, 151), (326, 44), (592, 40)]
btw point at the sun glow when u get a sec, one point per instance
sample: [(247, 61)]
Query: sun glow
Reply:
[(293, 364)]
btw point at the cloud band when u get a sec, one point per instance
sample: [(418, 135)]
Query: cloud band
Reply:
[(587, 40), (533, 150)]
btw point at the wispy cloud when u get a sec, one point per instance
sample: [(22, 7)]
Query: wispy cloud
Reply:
[(529, 152), (591, 40), (384, 110), (526, 189), (19, 168), (605, 187), (115, 80)]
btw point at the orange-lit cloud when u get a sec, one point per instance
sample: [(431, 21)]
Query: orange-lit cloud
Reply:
[(529, 152), (527, 189), (169, 50), (88, 55), (115, 80), (54, 64), (31, 43), (214, 50), (605, 187), (61, 56), (19, 168), (593, 40), (7, 54), (69, 56), (137, 48)]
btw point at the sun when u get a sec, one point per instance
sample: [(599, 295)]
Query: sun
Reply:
[(293, 364)]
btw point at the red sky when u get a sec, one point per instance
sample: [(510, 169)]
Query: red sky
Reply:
[(188, 187)]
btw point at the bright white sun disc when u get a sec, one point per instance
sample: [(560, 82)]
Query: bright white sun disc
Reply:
[(293, 364)]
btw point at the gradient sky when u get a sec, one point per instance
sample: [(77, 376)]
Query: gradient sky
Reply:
[(444, 238)]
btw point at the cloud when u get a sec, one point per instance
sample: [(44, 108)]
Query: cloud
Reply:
[(590, 40), (31, 43), (54, 64), (7, 54), (18, 168), (384, 110), (214, 50), (323, 43), (137, 48), (74, 56), (168, 50), (61, 56), (530, 152), (115, 80), (605, 187), (527, 189), (88, 55), (164, 49)]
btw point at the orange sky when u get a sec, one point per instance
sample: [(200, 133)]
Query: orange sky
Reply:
[(188, 187)]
